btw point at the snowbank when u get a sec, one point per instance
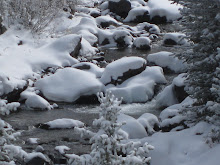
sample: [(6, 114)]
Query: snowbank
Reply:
[(167, 60), (68, 84)]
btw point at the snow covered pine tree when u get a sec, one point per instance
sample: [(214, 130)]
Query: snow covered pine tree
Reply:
[(110, 145), (202, 19)]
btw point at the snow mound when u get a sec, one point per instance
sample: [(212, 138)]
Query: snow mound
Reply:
[(168, 96), (105, 21), (164, 8), (122, 38), (68, 84), (139, 88), (136, 12), (116, 70), (174, 39), (134, 129), (89, 67), (150, 122), (142, 43), (62, 149), (167, 60), (64, 123)]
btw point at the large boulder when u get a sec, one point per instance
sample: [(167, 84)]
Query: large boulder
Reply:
[(120, 70), (120, 7), (69, 84)]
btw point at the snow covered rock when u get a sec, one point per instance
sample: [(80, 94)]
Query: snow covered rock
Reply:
[(172, 117), (89, 67), (120, 7), (151, 28), (173, 93), (134, 129), (142, 43), (2, 27), (150, 122), (162, 11), (62, 149), (106, 21), (67, 85), (6, 108), (122, 38), (174, 39), (63, 123), (95, 13), (138, 15), (167, 60), (139, 88), (120, 70)]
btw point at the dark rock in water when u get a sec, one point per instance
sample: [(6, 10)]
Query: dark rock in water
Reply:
[(43, 126), (2, 27), (92, 99), (105, 41), (170, 42), (159, 20), (37, 161), (83, 67), (76, 50), (95, 14), (121, 42), (120, 8), (98, 58), (14, 95), (180, 93), (142, 18)]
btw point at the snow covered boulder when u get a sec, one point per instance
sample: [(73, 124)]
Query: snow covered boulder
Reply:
[(172, 117), (95, 13), (163, 11), (106, 21), (132, 127), (139, 88), (89, 67), (63, 123), (68, 85), (174, 39), (120, 7), (167, 60), (151, 28), (120, 70), (138, 15), (173, 93), (142, 43), (150, 122), (122, 38)]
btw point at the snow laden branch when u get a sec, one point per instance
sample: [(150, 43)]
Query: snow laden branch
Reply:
[(110, 145)]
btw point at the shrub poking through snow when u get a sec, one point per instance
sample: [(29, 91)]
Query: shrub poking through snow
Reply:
[(107, 147)]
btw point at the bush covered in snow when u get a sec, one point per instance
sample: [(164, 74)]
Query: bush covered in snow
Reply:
[(107, 146), (32, 14)]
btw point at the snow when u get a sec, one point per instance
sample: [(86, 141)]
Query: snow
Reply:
[(137, 11), (139, 88), (167, 60), (142, 41), (62, 149), (68, 84), (152, 28), (167, 96), (179, 38), (64, 123), (148, 121), (106, 18), (123, 34), (92, 68), (117, 68), (134, 129), (6, 108), (164, 8), (183, 147), (33, 140)]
